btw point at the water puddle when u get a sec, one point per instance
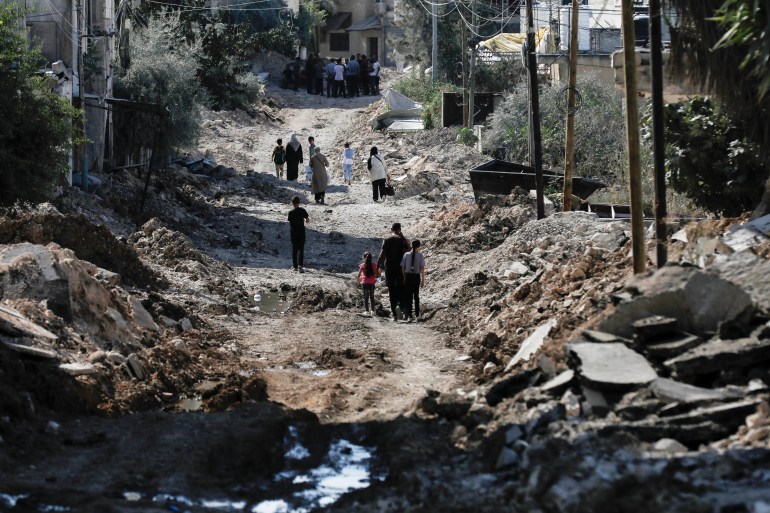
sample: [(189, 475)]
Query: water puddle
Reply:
[(195, 403), (345, 468), (271, 302)]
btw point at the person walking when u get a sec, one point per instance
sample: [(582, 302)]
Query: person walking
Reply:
[(310, 153), (330, 77), (339, 79), (298, 218), (319, 180), (297, 72), (368, 272), (347, 164), (351, 75), (293, 158), (320, 71), (374, 77), (391, 254), (310, 73), (413, 272), (278, 157), (378, 173)]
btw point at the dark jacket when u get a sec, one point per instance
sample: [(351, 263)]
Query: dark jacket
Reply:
[(393, 249)]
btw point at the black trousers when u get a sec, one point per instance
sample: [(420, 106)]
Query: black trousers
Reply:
[(411, 293), (378, 189), (338, 88), (319, 85), (320, 197), (329, 85), (298, 252), (395, 284), (352, 81)]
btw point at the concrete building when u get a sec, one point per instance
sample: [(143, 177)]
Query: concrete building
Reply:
[(57, 26), (358, 26)]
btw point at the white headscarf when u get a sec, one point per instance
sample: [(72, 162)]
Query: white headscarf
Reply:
[(294, 142)]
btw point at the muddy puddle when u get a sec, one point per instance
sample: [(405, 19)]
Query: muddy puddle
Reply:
[(298, 488), (271, 302)]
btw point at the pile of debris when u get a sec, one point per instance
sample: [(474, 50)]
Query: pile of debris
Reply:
[(645, 399)]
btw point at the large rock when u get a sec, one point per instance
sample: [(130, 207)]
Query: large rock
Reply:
[(748, 271), (611, 366), (14, 323), (700, 301)]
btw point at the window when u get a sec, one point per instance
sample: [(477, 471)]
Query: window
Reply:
[(339, 42)]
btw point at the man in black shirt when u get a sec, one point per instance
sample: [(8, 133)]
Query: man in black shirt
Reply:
[(393, 249), (297, 219)]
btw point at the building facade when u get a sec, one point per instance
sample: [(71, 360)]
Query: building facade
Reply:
[(357, 27)]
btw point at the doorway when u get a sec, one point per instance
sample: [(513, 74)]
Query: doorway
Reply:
[(374, 47)]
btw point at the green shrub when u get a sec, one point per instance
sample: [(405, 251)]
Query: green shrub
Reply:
[(36, 125), (710, 160), (163, 72), (600, 137)]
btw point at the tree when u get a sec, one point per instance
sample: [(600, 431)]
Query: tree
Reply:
[(36, 129), (724, 46), (416, 43), (163, 72)]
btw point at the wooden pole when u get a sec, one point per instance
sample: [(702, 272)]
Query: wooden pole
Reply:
[(632, 138), (465, 72), (658, 143), (472, 86), (569, 153), (534, 112)]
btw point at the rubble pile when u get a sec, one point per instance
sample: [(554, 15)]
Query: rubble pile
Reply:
[(667, 393), (561, 268)]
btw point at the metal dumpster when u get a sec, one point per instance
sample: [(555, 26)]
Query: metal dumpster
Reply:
[(501, 177)]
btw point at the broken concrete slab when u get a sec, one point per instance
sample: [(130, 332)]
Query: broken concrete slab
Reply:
[(670, 390), (649, 328), (601, 336), (559, 383), (729, 414), (672, 345), (78, 369), (135, 366), (718, 355), (512, 384), (611, 366), (531, 344), (37, 352), (14, 323), (748, 271), (700, 301)]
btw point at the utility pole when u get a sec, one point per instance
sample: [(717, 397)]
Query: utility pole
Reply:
[(472, 85), (434, 55), (569, 153), (82, 94), (464, 30), (658, 146), (534, 112), (632, 137)]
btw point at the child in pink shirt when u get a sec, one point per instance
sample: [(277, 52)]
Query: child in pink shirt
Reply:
[(368, 272)]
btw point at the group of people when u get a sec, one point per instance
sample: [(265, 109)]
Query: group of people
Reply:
[(356, 76), (402, 261), (316, 172)]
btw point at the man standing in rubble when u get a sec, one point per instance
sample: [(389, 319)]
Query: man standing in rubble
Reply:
[(393, 249), (298, 217)]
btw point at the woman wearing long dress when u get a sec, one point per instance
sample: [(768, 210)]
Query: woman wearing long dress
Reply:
[(293, 158), (320, 179)]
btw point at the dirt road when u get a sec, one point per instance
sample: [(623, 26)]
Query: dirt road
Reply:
[(336, 363)]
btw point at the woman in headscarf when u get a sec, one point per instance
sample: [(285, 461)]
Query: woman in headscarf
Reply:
[(378, 173), (293, 158), (320, 179)]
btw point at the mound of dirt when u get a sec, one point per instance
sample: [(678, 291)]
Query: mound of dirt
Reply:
[(93, 243)]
